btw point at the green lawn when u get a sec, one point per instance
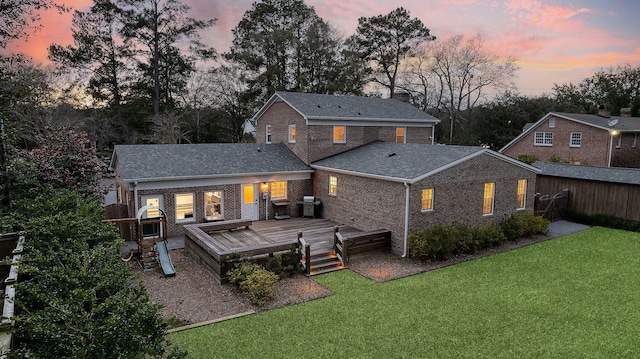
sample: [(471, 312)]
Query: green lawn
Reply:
[(573, 297)]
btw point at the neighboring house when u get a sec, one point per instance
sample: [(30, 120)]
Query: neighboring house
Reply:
[(404, 187), (593, 190), (317, 126), (195, 183), (578, 139)]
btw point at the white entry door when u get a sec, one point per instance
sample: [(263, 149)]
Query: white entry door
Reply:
[(250, 201)]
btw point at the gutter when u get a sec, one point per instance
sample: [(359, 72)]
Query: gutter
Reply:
[(135, 197), (405, 254)]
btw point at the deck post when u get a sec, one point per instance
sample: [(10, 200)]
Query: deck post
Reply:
[(335, 236)]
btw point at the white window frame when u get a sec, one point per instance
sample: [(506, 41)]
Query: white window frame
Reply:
[(333, 186), (619, 141), (426, 200), (193, 209), (404, 134), (543, 139), (485, 198), (634, 142), (575, 139), (284, 189), (521, 201), (267, 135), (344, 134), (552, 122), (208, 215), (292, 134)]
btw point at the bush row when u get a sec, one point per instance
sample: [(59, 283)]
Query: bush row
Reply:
[(440, 242), (603, 220)]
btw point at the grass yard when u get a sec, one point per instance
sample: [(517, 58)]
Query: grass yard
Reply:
[(573, 297)]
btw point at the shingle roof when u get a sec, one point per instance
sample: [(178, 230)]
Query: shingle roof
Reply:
[(161, 162), (402, 162), (624, 124), (593, 173), (350, 108)]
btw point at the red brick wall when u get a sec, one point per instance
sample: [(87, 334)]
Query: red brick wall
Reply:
[(413, 134), (594, 150), (280, 116), (369, 204)]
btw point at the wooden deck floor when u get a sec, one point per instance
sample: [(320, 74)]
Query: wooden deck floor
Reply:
[(317, 232)]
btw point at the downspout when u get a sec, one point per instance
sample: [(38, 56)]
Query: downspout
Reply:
[(135, 197), (405, 254), (433, 134)]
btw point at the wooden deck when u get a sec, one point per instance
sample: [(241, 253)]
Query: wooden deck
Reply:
[(215, 248)]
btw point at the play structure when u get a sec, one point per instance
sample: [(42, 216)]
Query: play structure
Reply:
[(152, 240)]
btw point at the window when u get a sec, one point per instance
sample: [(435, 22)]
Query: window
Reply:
[(184, 206), (152, 201), (619, 142), (333, 185), (339, 134), (576, 139), (427, 200), (278, 189), (487, 206), (292, 133), (552, 122), (522, 194), (213, 206), (401, 135), (634, 142), (268, 134), (149, 227), (543, 139)]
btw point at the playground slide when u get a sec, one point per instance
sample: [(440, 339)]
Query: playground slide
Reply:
[(165, 260)]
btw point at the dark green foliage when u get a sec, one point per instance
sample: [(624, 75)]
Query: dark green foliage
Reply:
[(75, 298), (604, 220), (255, 282), (284, 264), (523, 225), (440, 242), (528, 158)]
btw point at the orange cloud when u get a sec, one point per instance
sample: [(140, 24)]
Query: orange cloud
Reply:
[(535, 13)]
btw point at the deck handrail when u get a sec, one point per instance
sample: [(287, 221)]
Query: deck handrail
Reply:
[(306, 254)]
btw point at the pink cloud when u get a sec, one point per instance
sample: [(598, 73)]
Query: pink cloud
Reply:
[(535, 13)]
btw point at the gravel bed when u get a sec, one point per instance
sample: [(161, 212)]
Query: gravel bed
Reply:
[(193, 296)]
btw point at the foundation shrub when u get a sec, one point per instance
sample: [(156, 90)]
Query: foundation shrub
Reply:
[(284, 264), (434, 243), (604, 220), (487, 235), (523, 225), (254, 281)]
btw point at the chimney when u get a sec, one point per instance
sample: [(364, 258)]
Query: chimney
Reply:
[(402, 96), (603, 111), (625, 112)]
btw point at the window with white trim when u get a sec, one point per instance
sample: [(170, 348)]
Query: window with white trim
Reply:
[(552, 122), (213, 206), (619, 141), (292, 133), (184, 207), (333, 185), (401, 134), (487, 205), (339, 134), (634, 142), (543, 139), (268, 134), (427, 200), (576, 139), (522, 194), (278, 189)]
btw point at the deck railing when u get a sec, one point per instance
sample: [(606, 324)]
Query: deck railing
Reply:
[(305, 249), (345, 246)]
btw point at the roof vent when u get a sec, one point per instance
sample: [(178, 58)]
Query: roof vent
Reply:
[(318, 106), (259, 150), (392, 154)]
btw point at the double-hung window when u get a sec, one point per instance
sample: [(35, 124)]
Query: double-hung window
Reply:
[(292, 133), (522, 194), (401, 134), (268, 134), (543, 139), (487, 206), (576, 139), (213, 205), (427, 200), (333, 185), (184, 207), (279, 190), (339, 134)]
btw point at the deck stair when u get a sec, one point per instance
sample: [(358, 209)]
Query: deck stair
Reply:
[(325, 262)]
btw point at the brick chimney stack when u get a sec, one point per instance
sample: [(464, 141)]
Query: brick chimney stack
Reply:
[(603, 111), (402, 96), (625, 112)]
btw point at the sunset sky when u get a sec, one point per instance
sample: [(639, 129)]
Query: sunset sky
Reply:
[(554, 41)]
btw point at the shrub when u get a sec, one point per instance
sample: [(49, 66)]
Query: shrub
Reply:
[(523, 225), (434, 243), (488, 235), (528, 158), (604, 220), (284, 264), (255, 282)]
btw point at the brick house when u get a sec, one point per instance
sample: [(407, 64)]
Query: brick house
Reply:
[(597, 140), (404, 187), (371, 162), (317, 126), (196, 183)]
